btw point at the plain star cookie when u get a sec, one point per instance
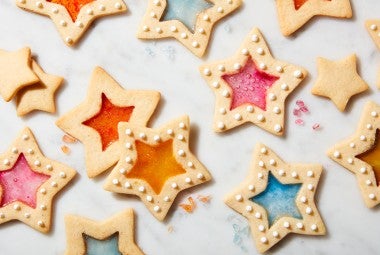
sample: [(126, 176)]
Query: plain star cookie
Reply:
[(112, 236), (156, 164), (338, 80), (251, 86), (293, 14), (39, 96), (190, 22), (15, 72), (73, 17), (360, 154), (277, 198), (94, 122), (29, 182)]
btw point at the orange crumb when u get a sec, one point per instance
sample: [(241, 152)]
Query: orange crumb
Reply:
[(170, 229), (65, 149), (69, 139), (189, 208), (204, 199)]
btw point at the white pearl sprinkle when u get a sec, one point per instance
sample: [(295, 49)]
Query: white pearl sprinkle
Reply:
[(258, 215), (313, 227), (115, 182), (157, 138), (173, 29), (201, 30), (221, 125), (222, 111), (39, 4), (90, 12), (128, 145), (249, 108), (277, 128), (27, 215), (200, 176), (25, 137), (238, 198), (2, 215), (49, 167), (63, 23), (260, 117), (237, 116), (6, 162), (294, 174), (142, 135), (336, 154), (272, 162), (188, 180), (15, 150), (275, 234), (284, 87), (16, 207), (43, 207), (190, 164), (263, 66), (221, 68), (41, 223), (350, 161), (30, 151), (102, 7), (153, 15), (226, 93), (299, 225), (369, 126), (374, 114), (156, 2), (310, 187), (263, 150), (281, 172), (156, 208), (180, 137), (62, 175), (363, 170), (207, 72), (244, 52), (371, 196), (22, 1), (43, 191), (260, 175), (79, 24), (215, 84), (128, 159), (127, 185), (373, 27), (272, 97), (149, 198), (174, 185), (237, 66), (142, 189), (181, 153), (166, 199), (368, 182), (261, 163), (248, 208), (308, 210), (37, 163), (279, 69), (303, 199), (261, 228), (118, 6), (286, 224), (352, 145), (263, 239), (206, 17), (195, 44), (220, 10), (260, 51), (169, 131), (251, 187), (183, 35), (363, 138), (310, 173), (145, 28), (255, 38), (128, 132), (298, 74), (276, 110)]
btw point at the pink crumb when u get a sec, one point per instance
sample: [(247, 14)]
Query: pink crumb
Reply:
[(300, 103), (316, 126), (297, 112), (299, 122)]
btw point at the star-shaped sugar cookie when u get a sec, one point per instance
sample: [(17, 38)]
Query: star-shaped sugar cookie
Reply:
[(112, 236), (190, 22), (277, 198), (39, 96), (251, 86), (94, 122), (360, 153), (156, 164), (29, 182), (15, 72), (293, 14), (338, 80), (373, 28), (73, 17)]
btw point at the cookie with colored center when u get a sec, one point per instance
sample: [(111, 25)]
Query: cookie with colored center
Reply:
[(156, 164), (94, 122), (251, 86), (114, 236), (73, 17), (188, 21), (15, 72), (338, 80), (29, 182), (360, 154), (277, 198), (293, 14)]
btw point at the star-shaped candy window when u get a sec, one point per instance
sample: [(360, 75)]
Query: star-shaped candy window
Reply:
[(29, 182), (293, 14), (73, 17), (186, 11), (108, 246), (156, 164), (278, 199), (106, 121), (94, 122), (20, 183), (189, 21), (360, 154), (113, 236), (251, 86)]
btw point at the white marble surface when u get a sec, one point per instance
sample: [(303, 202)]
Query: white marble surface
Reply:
[(111, 43)]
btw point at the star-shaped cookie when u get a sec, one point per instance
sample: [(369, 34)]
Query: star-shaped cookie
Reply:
[(190, 22), (156, 164), (28, 183), (338, 80), (277, 198), (15, 72), (39, 96), (112, 236), (94, 121), (251, 86), (373, 28), (360, 153), (293, 14), (73, 17)]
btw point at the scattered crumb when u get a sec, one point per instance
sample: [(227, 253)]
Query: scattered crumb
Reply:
[(65, 149), (299, 122), (316, 126), (189, 208), (204, 199), (69, 139), (170, 229)]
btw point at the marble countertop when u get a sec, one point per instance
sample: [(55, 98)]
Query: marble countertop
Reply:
[(170, 68)]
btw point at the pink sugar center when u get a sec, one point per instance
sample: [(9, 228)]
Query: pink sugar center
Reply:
[(249, 85), (20, 183)]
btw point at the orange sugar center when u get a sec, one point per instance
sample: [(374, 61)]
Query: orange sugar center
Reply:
[(372, 157), (72, 6), (106, 120), (298, 3), (155, 164)]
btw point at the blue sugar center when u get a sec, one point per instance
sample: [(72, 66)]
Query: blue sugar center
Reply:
[(185, 11), (109, 246), (279, 200)]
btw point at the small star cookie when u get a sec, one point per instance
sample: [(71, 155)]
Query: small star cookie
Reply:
[(251, 86), (112, 236), (360, 153), (39, 96), (338, 80), (278, 198), (73, 17), (15, 72), (293, 14), (156, 164), (28, 183), (190, 22), (94, 122)]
